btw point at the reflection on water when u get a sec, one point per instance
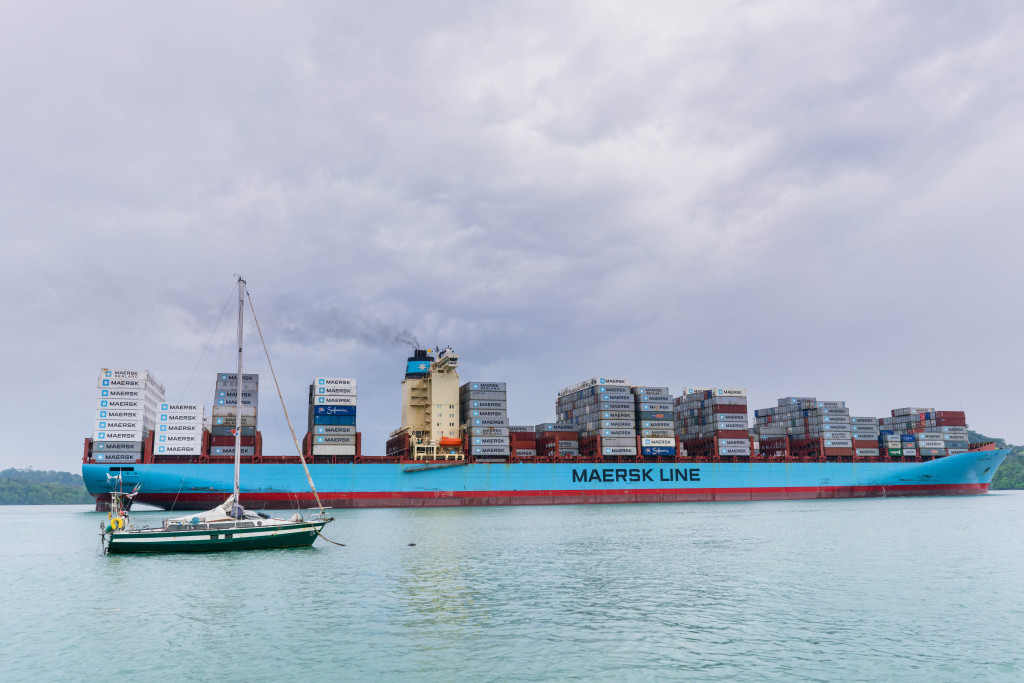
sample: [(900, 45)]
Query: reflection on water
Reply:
[(868, 589)]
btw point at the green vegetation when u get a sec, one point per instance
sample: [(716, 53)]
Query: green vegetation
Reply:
[(34, 487), (1010, 474)]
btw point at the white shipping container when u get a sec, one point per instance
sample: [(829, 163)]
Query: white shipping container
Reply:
[(126, 404), (124, 414), (335, 439), (233, 377), (937, 443), (229, 411), (179, 418), (335, 382), (118, 435), (230, 450), (233, 386), (911, 452), (117, 447), (334, 429), (177, 449), (178, 428), (130, 394), (121, 425), (648, 442), (334, 450), (172, 407), (334, 391), (230, 420), (179, 438), (619, 450), (117, 457), (334, 400), (111, 373)]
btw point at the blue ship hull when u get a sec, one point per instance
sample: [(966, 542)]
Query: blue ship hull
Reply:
[(201, 486)]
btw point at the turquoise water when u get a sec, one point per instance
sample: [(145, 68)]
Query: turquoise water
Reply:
[(892, 589)]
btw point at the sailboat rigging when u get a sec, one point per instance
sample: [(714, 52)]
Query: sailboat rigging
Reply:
[(228, 526)]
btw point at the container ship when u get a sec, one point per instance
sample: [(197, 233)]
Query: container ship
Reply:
[(611, 442)]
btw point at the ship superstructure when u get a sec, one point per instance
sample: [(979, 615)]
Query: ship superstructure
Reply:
[(430, 409)]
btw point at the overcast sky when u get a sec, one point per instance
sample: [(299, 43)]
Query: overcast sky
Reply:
[(798, 198)]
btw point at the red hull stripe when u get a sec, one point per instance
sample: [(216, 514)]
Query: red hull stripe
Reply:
[(473, 498)]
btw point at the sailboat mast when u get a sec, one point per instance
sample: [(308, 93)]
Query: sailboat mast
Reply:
[(238, 389)]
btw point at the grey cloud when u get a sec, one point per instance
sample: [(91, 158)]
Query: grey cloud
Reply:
[(772, 195)]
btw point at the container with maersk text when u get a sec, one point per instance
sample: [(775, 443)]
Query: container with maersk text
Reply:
[(230, 450)]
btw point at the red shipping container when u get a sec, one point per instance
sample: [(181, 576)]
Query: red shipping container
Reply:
[(951, 421), (729, 409), (956, 414), (230, 441)]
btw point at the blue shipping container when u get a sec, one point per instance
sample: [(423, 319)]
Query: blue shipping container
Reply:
[(334, 419), (334, 410), (657, 450)]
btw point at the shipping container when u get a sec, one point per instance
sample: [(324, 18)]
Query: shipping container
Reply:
[(334, 410), (334, 450), (230, 450), (171, 407), (334, 429), (118, 447), (333, 401), (232, 420), (335, 439), (334, 420)]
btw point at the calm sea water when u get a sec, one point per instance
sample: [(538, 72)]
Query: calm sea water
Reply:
[(898, 589)]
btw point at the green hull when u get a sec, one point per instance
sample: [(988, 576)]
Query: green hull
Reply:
[(214, 540)]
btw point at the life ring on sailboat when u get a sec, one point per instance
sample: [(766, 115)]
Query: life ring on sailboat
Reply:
[(117, 523)]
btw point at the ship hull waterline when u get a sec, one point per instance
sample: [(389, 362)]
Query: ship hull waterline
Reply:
[(214, 540), (385, 485)]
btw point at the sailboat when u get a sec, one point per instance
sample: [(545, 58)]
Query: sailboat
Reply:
[(228, 526)]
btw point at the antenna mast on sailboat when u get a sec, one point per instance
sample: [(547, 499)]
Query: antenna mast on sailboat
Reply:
[(238, 395)]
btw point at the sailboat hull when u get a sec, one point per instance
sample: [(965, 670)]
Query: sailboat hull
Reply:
[(214, 540)]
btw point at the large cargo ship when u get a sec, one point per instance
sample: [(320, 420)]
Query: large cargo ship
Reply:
[(612, 442)]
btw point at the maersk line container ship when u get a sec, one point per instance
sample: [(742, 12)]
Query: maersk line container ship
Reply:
[(612, 442)]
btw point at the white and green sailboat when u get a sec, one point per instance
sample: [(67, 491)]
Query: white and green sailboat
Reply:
[(228, 526)]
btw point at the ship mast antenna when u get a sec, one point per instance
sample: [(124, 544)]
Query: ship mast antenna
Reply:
[(238, 397), (273, 374)]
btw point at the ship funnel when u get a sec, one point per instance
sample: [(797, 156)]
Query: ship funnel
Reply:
[(418, 365)]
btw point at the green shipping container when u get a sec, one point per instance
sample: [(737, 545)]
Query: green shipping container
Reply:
[(895, 452)]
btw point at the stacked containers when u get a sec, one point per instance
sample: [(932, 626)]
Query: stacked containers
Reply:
[(557, 441), (771, 432), (816, 428), (926, 431), (865, 435), (225, 410), (713, 421), (483, 408), (125, 413), (522, 441), (655, 421), (604, 411), (179, 430), (332, 416)]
